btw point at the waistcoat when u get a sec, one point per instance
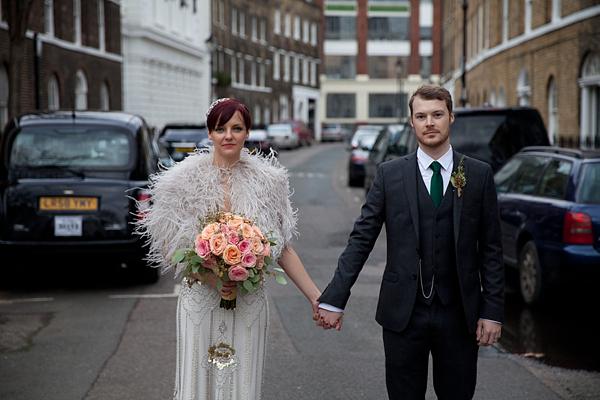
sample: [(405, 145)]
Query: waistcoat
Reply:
[(437, 252)]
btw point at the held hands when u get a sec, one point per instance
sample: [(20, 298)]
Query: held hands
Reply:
[(488, 332), (328, 319)]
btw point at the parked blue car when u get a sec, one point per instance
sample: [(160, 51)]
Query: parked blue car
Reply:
[(549, 202)]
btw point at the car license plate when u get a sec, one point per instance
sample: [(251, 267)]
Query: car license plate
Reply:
[(68, 203), (184, 149), (68, 225)]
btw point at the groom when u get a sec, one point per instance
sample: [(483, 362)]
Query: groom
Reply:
[(442, 292)]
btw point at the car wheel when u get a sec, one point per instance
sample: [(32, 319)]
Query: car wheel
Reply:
[(530, 274)]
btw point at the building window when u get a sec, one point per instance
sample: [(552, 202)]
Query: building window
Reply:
[(49, 17), (267, 112), (104, 98), (313, 73), (276, 66), (425, 33), (296, 74), (341, 105), (313, 33), (284, 111), (383, 105), (527, 16), (257, 115), (242, 25), (589, 84), (504, 20), (233, 69), (552, 111), (556, 10), (425, 67), (77, 20), (388, 28), (242, 71), (286, 68), (275, 111), (287, 25), (254, 29), (340, 28), (3, 97), (101, 26), (234, 19), (296, 27), (305, 31), (341, 67), (81, 91), (501, 97), (493, 98), (53, 93), (253, 79), (263, 30), (305, 70), (222, 13), (261, 75), (277, 22), (524, 89)]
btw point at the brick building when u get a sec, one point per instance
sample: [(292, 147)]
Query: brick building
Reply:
[(376, 53), (267, 55), (78, 56), (540, 53)]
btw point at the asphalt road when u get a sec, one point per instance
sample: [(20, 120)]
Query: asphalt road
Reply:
[(76, 336)]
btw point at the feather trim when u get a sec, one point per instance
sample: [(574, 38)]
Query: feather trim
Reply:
[(259, 188)]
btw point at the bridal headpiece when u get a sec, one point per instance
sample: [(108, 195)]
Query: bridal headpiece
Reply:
[(214, 103)]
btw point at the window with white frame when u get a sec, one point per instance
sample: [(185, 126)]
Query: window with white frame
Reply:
[(49, 17), (242, 25), (253, 79), (257, 114), (277, 22), (305, 70), (313, 33), (275, 111), (53, 93), (501, 97), (296, 27), (556, 10), (296, 75), (313, 73), (589, 84), (222, 13), (523, 88), (528, 16), (242, 71), (504, 20), (284, 111), (263, 30), (261, 74), (552, 111), (267, 112), (276, 66), (215, 11), (287, 25), (81, 91), (254, 29), (286, 67), (493, 98), (233, 69), (77, 20), (234, 19), (104, 97), (305, 31), (101, 26)]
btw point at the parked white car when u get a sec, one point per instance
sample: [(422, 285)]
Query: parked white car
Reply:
[(282, 136)]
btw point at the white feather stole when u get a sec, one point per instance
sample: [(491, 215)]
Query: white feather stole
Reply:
[(259, 188)]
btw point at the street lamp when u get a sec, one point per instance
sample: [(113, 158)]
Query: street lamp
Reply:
[(399, 68), (463, 78), (211, 46)]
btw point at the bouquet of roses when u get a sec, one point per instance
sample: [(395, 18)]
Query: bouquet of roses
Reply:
[(234, 249)]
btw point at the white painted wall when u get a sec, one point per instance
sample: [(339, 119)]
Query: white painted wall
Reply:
[(166, 67)]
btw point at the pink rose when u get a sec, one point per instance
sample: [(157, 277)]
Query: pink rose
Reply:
[(267, 250), (233, 237), (224, 228), (245, 246), (218, 243), (232, 255), (238, 273), (248, 260), (202, 247)]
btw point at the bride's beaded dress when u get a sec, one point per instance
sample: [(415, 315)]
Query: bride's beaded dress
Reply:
[(220, 353)]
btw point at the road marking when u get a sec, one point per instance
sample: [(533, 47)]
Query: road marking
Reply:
[(309, 175), (175, 293), (32, 300)]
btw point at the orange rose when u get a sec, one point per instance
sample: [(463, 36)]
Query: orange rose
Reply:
[(218, 243), (232, 255), (257, 245), (247, 231), (235, 222), (210, 230), (258, 232)]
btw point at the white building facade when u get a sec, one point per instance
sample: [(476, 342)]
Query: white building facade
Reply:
[(166, 64)]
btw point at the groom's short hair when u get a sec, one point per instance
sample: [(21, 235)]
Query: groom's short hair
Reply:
[(431, 92)]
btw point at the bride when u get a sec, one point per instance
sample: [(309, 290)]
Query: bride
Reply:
[(221, 353)]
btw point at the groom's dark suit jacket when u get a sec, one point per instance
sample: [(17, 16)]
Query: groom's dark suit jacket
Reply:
[(392, 200)]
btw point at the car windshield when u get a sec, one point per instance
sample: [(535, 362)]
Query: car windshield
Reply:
[(590, 186), (367, 141), (195, 134), (278, 129), (290, 123), (70, 146), (473, 134)]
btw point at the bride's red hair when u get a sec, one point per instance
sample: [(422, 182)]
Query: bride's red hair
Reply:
[(222, 112)]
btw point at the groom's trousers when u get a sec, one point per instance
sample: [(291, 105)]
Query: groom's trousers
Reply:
[(439, 330)]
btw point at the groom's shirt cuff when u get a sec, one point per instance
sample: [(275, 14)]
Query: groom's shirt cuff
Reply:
[(329, 307)]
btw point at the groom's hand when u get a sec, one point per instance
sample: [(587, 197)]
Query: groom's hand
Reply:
[(330, 319)]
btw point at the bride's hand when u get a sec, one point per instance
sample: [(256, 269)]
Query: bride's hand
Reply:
[(211, 280)]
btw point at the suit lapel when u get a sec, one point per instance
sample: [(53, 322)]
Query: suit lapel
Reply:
[(458, 201), (410, 176)]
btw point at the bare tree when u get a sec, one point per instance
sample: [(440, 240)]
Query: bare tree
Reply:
[(17, 16)]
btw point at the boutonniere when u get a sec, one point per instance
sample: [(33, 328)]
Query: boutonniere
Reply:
[(458, 178)]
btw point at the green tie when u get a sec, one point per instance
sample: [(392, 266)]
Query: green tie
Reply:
[(436, 184)]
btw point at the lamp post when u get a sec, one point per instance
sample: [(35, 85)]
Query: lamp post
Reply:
[(211, 45), (399, 68), (463, 98)]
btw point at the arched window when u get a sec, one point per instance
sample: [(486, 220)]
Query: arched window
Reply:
[(267, 112), (104, 97), (523, 88), (53, 93), (256, 118), (589, 84), (493, 98), (552, 111), (81, 91), (3, 97)]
